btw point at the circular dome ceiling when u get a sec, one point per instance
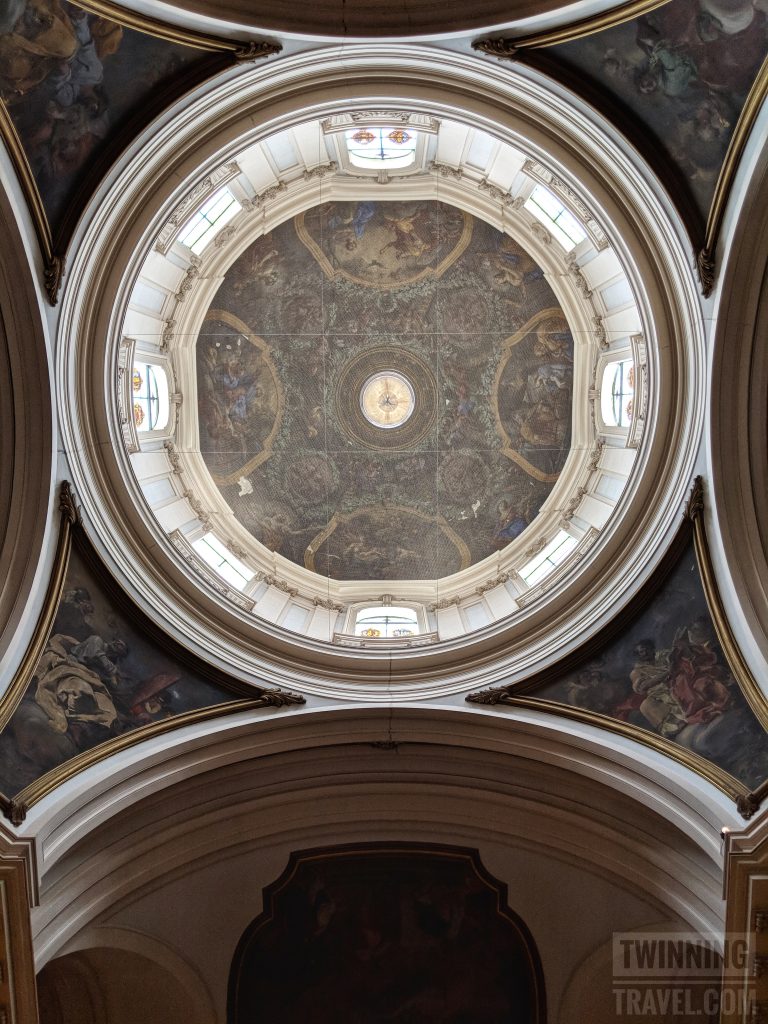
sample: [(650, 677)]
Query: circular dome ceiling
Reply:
[(356, 397), (384, 390)]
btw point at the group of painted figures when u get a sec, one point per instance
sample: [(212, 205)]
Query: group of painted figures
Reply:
[(89, 686)]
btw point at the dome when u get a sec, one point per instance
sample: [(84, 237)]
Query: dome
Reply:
[(284, 295)]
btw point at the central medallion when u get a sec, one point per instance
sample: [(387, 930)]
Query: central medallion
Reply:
[(370, 400), (387, 399)]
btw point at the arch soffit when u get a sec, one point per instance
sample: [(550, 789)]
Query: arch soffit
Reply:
[(738, 426), (242, 112), (26, 435), (540, 742), (450, 793)]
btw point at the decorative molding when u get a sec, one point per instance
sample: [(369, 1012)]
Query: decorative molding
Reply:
[(504, 197), (384, 643), (496, 581), (706, 266), (445, 602), (169, 329), (539, 231), (277, 582), (173, 456), (190, 275), (575, 272), (640, 401), (257, 202), (503, 49), (445, 170), (225, 235), (247, 53), (597, 454), (570, 509), (53, 272), (326, 602), (320, 171), (124, 393), (600, 332), (67, 505), (346, 120), (493, 695), (275, 698), (202, 513), (534, 549)]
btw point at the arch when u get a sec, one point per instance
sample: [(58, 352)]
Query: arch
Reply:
[(114, 976), (26, 438), (738, 427)]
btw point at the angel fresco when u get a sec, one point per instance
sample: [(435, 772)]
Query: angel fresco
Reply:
[(685, 68), (68, 78)]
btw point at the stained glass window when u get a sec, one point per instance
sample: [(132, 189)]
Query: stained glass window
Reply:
[(618, 393), (150, 397), (399, 137), (374, 147), (386, 622)]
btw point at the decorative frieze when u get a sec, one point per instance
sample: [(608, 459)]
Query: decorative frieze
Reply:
[(320, 171), (575, 272)]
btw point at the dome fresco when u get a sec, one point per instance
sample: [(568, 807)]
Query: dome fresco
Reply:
[(419, 291)]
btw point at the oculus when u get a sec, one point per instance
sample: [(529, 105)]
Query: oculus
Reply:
[(387, 399)]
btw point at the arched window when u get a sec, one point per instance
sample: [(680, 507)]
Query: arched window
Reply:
[(151, 406), (230, 568), (548, 559), (205, 223), (379, 147), (548, 209), (386, 622), (617, 393)]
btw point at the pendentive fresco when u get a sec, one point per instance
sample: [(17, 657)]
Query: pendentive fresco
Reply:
[(72, 82), (667, 674), (310, 314), (683, 71), (99, 677)]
